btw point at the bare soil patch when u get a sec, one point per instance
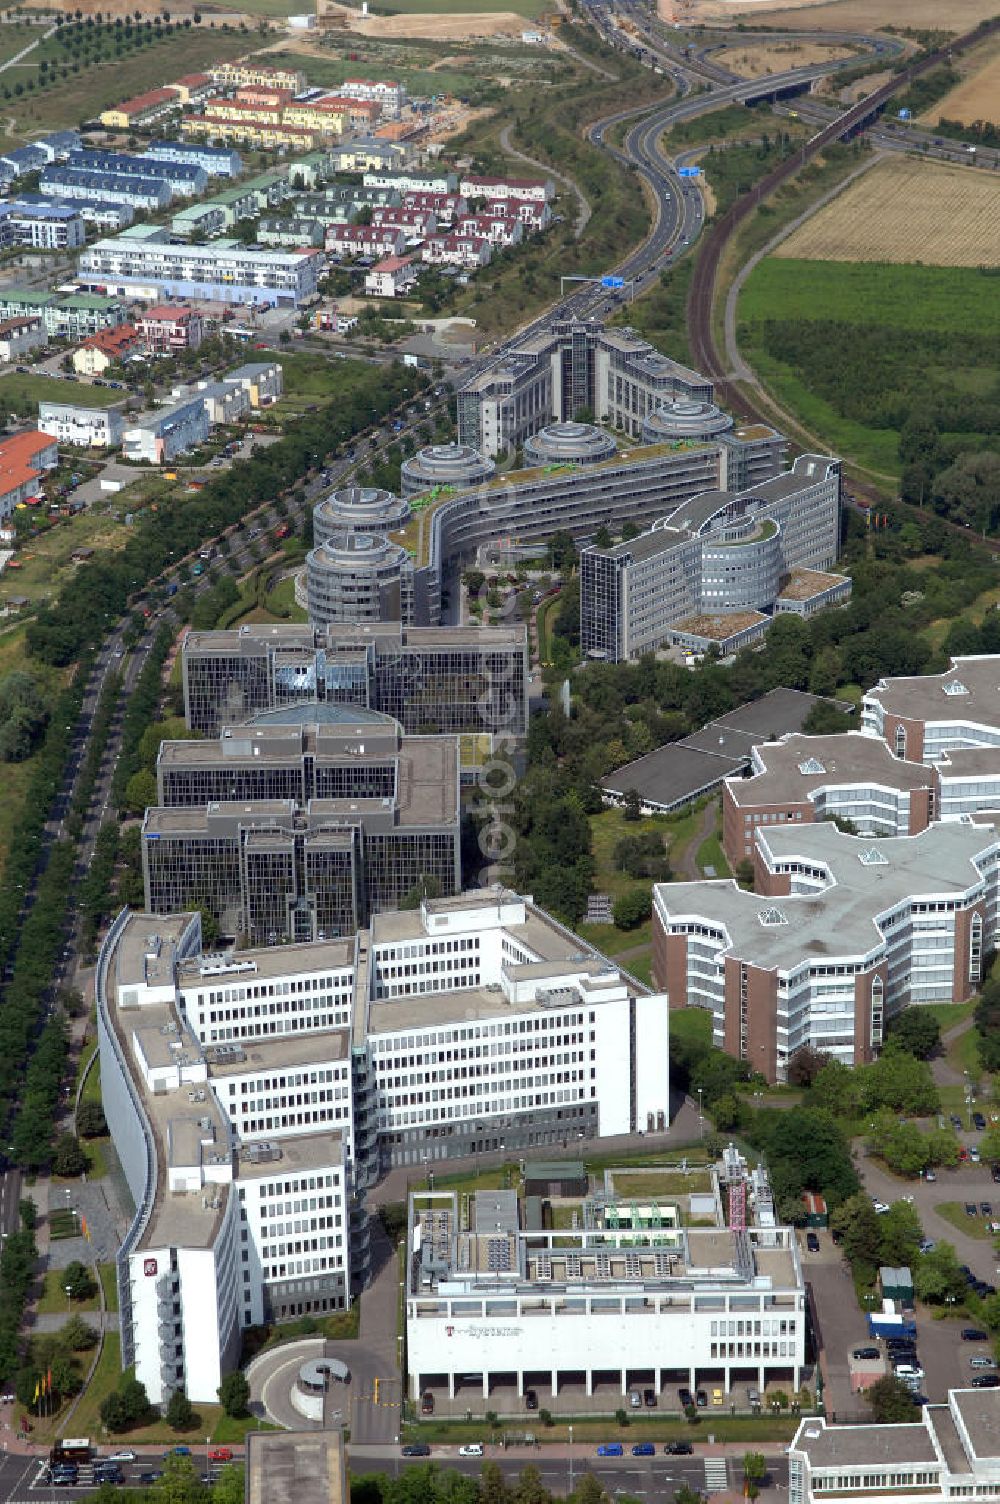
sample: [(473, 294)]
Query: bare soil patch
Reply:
[(977, 97), (835, 15), (907, 211), (778, 57)]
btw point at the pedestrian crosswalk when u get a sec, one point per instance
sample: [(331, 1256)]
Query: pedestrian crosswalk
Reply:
[(716, 1475)]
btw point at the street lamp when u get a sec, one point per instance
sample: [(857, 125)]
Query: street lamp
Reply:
[(701, 1119), (571, 1459), (69, 1292)]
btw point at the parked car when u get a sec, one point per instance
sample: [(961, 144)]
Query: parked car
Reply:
[(979, 1121), (982, 1363), (986, 1208), (927, 1245), (812, 1242), (956, 1121), (530, 1400), (471, 1449), (427, 1403), (701, 1399), (221, 1454), (125, 1455), (649, 1398), (995, 1174), (866, 1354), (678, 1449), (644, 1449), (986, 1381), (974, 1334), (177, 1452), (880, 1207), (685, 1398), (416, 1449), (975, 1155), (634, 1399), (929, 1175), (611, 1449), (970, 1208)]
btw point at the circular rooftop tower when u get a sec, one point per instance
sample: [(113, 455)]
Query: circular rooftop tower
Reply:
[(358, 577), (358, 509), (685, 418), (456, 465), (569, 444)]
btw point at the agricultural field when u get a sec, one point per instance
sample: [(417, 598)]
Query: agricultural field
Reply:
[(85, 90), (904, 212), (837, 15), (977, 97), (853, 347)]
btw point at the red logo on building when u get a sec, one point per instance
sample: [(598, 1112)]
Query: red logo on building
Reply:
[(149, 1267), (450, 1331)]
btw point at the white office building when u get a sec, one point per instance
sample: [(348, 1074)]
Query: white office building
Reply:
[(948, 1452), (628, 1298), (927, 716), (153, 266)]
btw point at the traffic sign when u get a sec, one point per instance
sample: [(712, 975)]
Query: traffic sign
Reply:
[(688, 172), (612, 281)]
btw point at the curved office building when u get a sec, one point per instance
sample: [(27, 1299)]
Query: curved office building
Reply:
[(357, 577), (685, 418), (741, 571), (455, 465), (569, 444), (357, 509)]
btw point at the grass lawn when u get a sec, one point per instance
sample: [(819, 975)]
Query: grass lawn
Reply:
[(87, 1416), (15, 388), (281, 602), (52, 1301), (46, 560), (110, 1283), (661, 1183), (963, 1053), (606, 830), (954, 1212), (62, 1224), (949, 1014), (711, 854), (691, 1024)]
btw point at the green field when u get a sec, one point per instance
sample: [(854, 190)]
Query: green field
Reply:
[(327, 73), (851, 349)]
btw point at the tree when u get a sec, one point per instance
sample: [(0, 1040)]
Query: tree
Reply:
[(745, 874), (493, 1488), (90, 1120), (78, 1335), (180, 1412), (916, 1030), (632, 805), (901, 1234), (900, 1082), (78, 1280), (140, 792), (857, 1223), (938, 1276), (891, 1401), (837, 1087), (806, 1064), (900, 1144), (603, 538), (754, 1473), (69, 1158), (234, 1395), (631, 909), (989, 1145)]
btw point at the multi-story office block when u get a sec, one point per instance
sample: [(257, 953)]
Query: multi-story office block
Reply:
[(250, 1092), (357, 577), (629, 1299), (839, 777), (948, 1454), (925, 717), (233, 1225), (572, 367), (839, 935), (429, 679), (285, 833), (751, 452), (710, 568)]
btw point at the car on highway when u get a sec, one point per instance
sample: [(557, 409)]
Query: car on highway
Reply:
[(471, 1449), (678, 1449), (611, 1449), (644, 1449), (416, 1449)]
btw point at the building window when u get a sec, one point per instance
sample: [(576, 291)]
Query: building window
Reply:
[(900, 741), (877, 1010), (975, 947)]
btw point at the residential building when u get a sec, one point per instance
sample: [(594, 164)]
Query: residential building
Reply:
[(531, 190), (411, 180), (75, 316), (261, 132), (224, 271), (40, 224), (453, 679), (140, 110), (292, 232), (192, 88), (446, 207), (840, 934), (65, 182), (534, 216), (710, 569), (364, 240), (247, 73), (327, 117), (303, 832), (502, 230), (468, 251), (391, 278), (367, 156), (106, 348), (169, 328), (18, 337), (654, 1304), (105, 213), (203, 220), (215, 161), (24, 458), (185, 179), (225, 401), (925, 717), (262, 380), (414, 223), (82, 426), (570, 366), (839, 777), (948, 1454), (389, 95), (163, 435)]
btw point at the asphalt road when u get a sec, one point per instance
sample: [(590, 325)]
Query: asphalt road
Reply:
[(656, 1478)]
